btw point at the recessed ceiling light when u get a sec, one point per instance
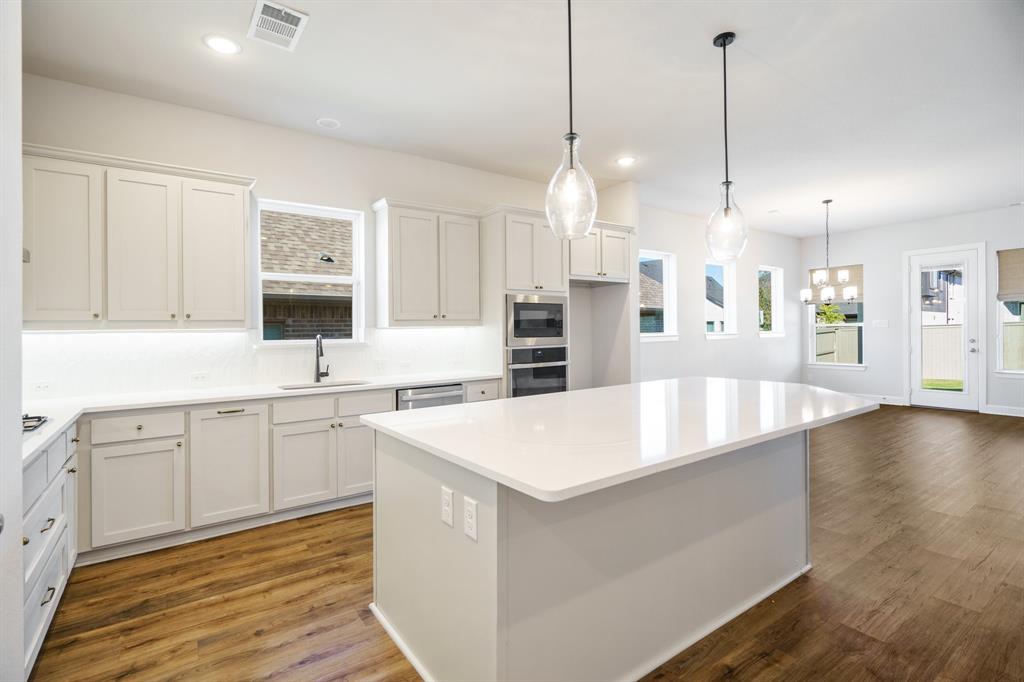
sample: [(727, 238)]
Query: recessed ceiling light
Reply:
[(222, 45), (625, 161), (329, 123)]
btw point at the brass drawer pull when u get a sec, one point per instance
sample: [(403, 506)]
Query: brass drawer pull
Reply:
[(50, 591), (49, 524), (333, 425), (232, 411), (75, 439), (72, 470)]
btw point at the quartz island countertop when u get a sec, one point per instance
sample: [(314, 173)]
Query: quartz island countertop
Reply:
[(561, 445)]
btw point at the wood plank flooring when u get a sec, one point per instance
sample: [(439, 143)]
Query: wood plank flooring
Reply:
[(917, 542)]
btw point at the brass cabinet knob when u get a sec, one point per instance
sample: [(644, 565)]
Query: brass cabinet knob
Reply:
[(138, 427), (173, 316), (178, 443), (188, 316), (444, 316), (25, 540), (435, 317), (333, 425), (95, 315)]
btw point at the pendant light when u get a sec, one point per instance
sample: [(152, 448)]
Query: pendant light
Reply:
[(726, 233), (571, 200)]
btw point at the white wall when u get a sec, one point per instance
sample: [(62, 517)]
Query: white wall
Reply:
[(288, 165), (746, 355), (12, 649), (880, 249)]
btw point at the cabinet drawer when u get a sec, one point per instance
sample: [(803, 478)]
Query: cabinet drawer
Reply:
[(137, 427), (56, 455), (72, 439), (366, 402), (286, 411), (43, 524), (41, 599), (33, 482), (481, 390)]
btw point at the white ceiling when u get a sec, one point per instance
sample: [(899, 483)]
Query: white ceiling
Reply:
[(898, 110)]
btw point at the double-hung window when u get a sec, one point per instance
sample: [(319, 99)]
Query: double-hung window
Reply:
[(310, 272), (770, 309), (837, 328), (657, 295), (1010, 310), (719, 299)]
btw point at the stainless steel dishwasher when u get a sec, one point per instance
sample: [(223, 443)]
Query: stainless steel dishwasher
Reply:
[(430, 396)]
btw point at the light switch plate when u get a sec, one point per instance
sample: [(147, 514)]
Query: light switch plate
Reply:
[(469, 517), (447, 502)]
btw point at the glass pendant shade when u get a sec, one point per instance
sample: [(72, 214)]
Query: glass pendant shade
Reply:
[(843, 276), (849, 293), (571, 200), (820, 277), (806, 296), (828, 294), (726, 233)]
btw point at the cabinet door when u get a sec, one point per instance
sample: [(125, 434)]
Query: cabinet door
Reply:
[(63, 236), (229, 463), (550, 260), (355, 457), (615, 260), (460, 268), (519, 254), (585, 255), (415, 283), (212, 250), (143, 226), (138, 490), (305, 463), (71, 504)]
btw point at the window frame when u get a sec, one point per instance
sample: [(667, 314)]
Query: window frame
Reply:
[(812, 358), (670, 292), (355, 280), (778, 302), (729, 322), (1000, 340)]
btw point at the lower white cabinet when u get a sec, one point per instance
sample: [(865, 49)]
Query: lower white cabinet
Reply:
[(355, 457), (305, 463), (229, 463), (138, 490), (71, 493)]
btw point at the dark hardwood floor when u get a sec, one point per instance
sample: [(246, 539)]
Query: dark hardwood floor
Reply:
[(917, 542)]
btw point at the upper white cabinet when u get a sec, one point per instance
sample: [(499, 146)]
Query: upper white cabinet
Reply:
[(428, 265), (63, 240), (162, 245), (212, 250), (534, 257), (229, 463), (603, 255), (143, 217)]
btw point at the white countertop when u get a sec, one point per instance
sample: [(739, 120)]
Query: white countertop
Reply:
[(64, 412), (557, 446)]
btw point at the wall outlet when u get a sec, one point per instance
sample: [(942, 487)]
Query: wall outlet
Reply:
[(200, 378), (447, 504), (469, 517)]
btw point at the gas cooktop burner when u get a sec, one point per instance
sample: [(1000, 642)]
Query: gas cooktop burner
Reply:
[(31, 423)]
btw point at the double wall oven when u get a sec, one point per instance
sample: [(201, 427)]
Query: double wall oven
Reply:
[(536, 340)]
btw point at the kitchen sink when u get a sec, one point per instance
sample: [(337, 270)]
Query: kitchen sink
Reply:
[(324, 384)]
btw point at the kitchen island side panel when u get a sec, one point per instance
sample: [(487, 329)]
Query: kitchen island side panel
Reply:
[(435, 589), (608, 585)]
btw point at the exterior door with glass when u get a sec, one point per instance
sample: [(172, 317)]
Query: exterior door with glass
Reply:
[(945, 333)]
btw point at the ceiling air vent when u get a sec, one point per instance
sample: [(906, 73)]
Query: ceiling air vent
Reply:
[(277, 25)]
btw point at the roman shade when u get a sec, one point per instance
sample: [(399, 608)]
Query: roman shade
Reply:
[(856, 280), (1011, 275)]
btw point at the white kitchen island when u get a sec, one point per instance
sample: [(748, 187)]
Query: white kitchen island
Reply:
[(614, 526)]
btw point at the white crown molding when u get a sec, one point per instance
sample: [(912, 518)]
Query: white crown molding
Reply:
[(134, 164), (385, 202), (534, 213)]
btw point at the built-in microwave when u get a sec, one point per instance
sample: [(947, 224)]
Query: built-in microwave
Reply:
[(535, 320)]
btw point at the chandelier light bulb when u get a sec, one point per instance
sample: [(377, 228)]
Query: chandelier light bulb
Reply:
[(805, 296), (820, 277), (849, 293), (828, 294), (843, 276)]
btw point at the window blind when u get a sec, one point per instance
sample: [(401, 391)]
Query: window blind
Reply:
[(856, 279), (1011, 275)]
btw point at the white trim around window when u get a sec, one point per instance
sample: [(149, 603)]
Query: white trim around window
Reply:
[(355, 280), (728, 300), (777, 303), (669, 292)]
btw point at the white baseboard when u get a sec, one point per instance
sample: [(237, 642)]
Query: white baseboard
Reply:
[(685, 644), (400, 643), (95, 556), (884, 399), (1004, 410)]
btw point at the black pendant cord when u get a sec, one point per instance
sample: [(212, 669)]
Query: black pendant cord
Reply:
[(568, 5), (725, 118)]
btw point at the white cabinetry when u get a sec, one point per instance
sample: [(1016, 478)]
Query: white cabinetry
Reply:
[(305, 463), (213, 250), (138, 490), (534, 257), (63, 232), (603, 255), (229, 463), (428, 265), (355, 457)]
